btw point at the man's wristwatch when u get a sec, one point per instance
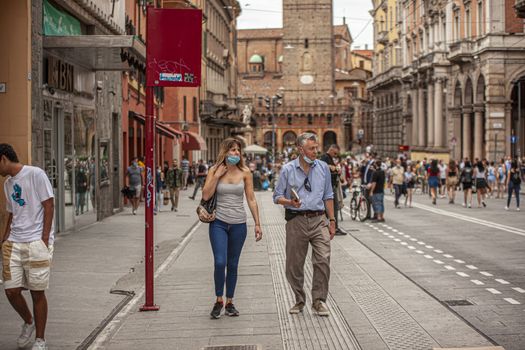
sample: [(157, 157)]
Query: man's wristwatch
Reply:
[(332, 219)]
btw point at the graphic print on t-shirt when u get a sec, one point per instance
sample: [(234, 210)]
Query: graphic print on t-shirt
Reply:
[(17, 195)]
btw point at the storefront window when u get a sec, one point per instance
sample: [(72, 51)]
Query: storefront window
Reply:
[(85, 179)]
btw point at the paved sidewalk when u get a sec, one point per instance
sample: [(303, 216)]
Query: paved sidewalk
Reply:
[(373, 306), (89, 263)]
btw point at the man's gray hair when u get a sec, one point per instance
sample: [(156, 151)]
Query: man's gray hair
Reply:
[(301, 139)]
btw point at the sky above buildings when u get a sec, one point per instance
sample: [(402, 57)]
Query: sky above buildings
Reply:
[(268, 14)]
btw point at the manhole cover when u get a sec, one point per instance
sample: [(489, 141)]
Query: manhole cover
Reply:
[(462, 302), (232, 347)]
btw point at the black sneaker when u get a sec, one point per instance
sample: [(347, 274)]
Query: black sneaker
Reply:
[(216, 312), (230, 310)]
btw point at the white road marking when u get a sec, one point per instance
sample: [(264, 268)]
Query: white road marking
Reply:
[(429, 247), (439, 262), (404, 243), (397, 240), (493, 291), (413, 239), (448, 267), (448, 256), (512, 301), (411, 247), (406, 236), (486, 274), (519, 290), (472, 267), (477, 282), (421, 243), (490, 224), (438, 251), (499, 280), (388, 227), (401, 233), (385, 233), (428, 256), (394, 230), (380, 231), (420, 252), (462, 274), (459, 261)]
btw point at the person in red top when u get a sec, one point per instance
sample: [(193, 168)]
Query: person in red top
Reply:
[(433, 179)]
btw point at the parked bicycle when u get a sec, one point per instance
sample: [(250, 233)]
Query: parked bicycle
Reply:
[(359, 206)]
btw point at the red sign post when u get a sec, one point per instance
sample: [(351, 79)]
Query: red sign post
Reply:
[(173, 58)]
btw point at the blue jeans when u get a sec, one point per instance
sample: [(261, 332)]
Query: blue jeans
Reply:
[(378, 203), (516, 189), (226, 242)]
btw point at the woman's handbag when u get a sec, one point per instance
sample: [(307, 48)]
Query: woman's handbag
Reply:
[(206, 209)]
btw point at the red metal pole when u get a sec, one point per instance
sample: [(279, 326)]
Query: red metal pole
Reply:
[(149, 304), (150, 201)]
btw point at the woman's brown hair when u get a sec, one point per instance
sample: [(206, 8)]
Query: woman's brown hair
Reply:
[(226, 145)]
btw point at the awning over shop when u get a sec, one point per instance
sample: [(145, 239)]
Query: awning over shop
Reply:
[(193, 142), (95, 52), (161, 129)]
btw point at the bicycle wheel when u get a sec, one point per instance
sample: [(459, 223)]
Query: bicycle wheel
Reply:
[(353, 208), (363, 209)]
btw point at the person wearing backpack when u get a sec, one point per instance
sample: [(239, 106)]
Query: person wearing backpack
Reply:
[(514, 184), (501, 178), (466, 182)]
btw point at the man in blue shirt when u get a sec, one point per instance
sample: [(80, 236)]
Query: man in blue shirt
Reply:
[(305, 190)]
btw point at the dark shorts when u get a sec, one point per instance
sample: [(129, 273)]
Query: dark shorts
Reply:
[(443, 182), (481, 183), (411, 184), (467, 185), (433, 182)]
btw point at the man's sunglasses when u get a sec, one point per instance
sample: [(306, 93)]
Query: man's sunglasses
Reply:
[(307, 185)]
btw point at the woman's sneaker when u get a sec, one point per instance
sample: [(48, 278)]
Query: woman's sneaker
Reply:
[(25, 337), (40, 344), (230, 310), (216, 312)]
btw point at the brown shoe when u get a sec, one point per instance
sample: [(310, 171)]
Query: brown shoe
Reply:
[(319, 307), (297, 308)]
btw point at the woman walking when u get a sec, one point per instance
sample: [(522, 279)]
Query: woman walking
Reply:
[(230, 179), (466, 182), (514, 184), (433, 180), (501, 178), (452, 181), (491, 178), (410, 184), (480, 174)]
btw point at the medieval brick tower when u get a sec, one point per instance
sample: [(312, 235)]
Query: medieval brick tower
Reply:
[(308, 51)]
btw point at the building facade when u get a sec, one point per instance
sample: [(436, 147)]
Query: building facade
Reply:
[(70, 122), (462, 78), (284, 92)]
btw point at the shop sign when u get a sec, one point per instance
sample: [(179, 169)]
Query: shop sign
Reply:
[(174, 47), (59, 23), (60, 75), (404, 148)]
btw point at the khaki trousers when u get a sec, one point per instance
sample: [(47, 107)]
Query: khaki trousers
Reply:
[(301, 231), (174, 197)]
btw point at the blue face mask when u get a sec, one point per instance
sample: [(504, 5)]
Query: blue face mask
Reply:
[(233, 160), (308, 160)]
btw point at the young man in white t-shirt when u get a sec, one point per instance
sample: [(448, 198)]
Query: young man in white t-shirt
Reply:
[(27, 244)]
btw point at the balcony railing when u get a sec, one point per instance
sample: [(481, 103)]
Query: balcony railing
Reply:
[(520, 8), (460, 50)]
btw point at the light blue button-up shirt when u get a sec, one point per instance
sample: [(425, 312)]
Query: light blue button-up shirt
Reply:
[(293, 176)]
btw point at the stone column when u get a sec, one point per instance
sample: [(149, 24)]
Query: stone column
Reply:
[(430, 114), (421, 117), (478, 132), (415, 121), (467, 133), (438, 113)]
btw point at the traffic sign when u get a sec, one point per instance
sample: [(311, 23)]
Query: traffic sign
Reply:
[(514, 139)]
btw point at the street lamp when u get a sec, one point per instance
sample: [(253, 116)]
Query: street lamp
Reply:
[(271, 103)]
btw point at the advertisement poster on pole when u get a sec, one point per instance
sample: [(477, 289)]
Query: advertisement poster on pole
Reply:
[(174, 48)]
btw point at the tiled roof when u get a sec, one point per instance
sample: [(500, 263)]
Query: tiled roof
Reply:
[(366, 53), (260, 33)]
